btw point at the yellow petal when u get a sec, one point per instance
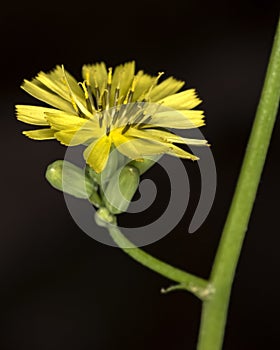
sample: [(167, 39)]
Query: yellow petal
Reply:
[(135, 148), (125, 145), (54, 84), (96, 74), (164, 136), (40, 134), (142, 86), (33, 114), (61, 83), (97, 153), (185, 119), (64, 84), (59, 73), (74, 137), (64, 121), (76, 95), (157, 145), (41, 94), (182, 100), (179, 152), (167, 87), (123, 76)]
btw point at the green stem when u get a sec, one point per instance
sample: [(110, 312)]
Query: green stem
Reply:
[(214, 312), (187, 281)]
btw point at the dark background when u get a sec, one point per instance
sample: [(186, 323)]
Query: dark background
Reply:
[(60, 289)]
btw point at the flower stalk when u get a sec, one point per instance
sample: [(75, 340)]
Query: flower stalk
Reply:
[(185, 280)]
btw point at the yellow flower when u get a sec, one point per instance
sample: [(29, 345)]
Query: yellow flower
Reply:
[(129, 110)]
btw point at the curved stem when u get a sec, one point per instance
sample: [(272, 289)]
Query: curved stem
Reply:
[(187, 281), (215, 310)]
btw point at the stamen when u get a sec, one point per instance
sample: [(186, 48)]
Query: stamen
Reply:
[(116, 114), (105, 99), (117, 95), (109, 80), (132, 111), (124, 130), (88, 95), (122, 112), (71, 95), (145, 121), (139, 117), (129, 108), (106, 102), (115, 110), (134, 82), (100, 119), (149, 116), (154, 84), (83, 85), (128, 97), (108, 128), (65, 81), (87, 78), (118, 89), (98, 103), (89, 91), (109, 84), (129, 111), (130, 93), (97, 97)]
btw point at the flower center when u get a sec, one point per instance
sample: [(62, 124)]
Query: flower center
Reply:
[(114, 110)]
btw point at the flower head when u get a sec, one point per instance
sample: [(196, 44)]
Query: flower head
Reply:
[(121, 108)]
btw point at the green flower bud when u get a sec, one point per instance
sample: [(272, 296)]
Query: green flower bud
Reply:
[(120, 189), (145, 164), (103, 217), (70, 179)]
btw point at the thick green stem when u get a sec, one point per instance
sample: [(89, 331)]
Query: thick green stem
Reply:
[(187, 281), (214, 312)]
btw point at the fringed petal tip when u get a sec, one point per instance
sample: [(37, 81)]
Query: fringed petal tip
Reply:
[(40, 134)]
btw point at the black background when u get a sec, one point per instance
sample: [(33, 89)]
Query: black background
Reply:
[(61, 289)]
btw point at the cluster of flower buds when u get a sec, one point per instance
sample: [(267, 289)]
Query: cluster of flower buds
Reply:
[(110, 191)]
